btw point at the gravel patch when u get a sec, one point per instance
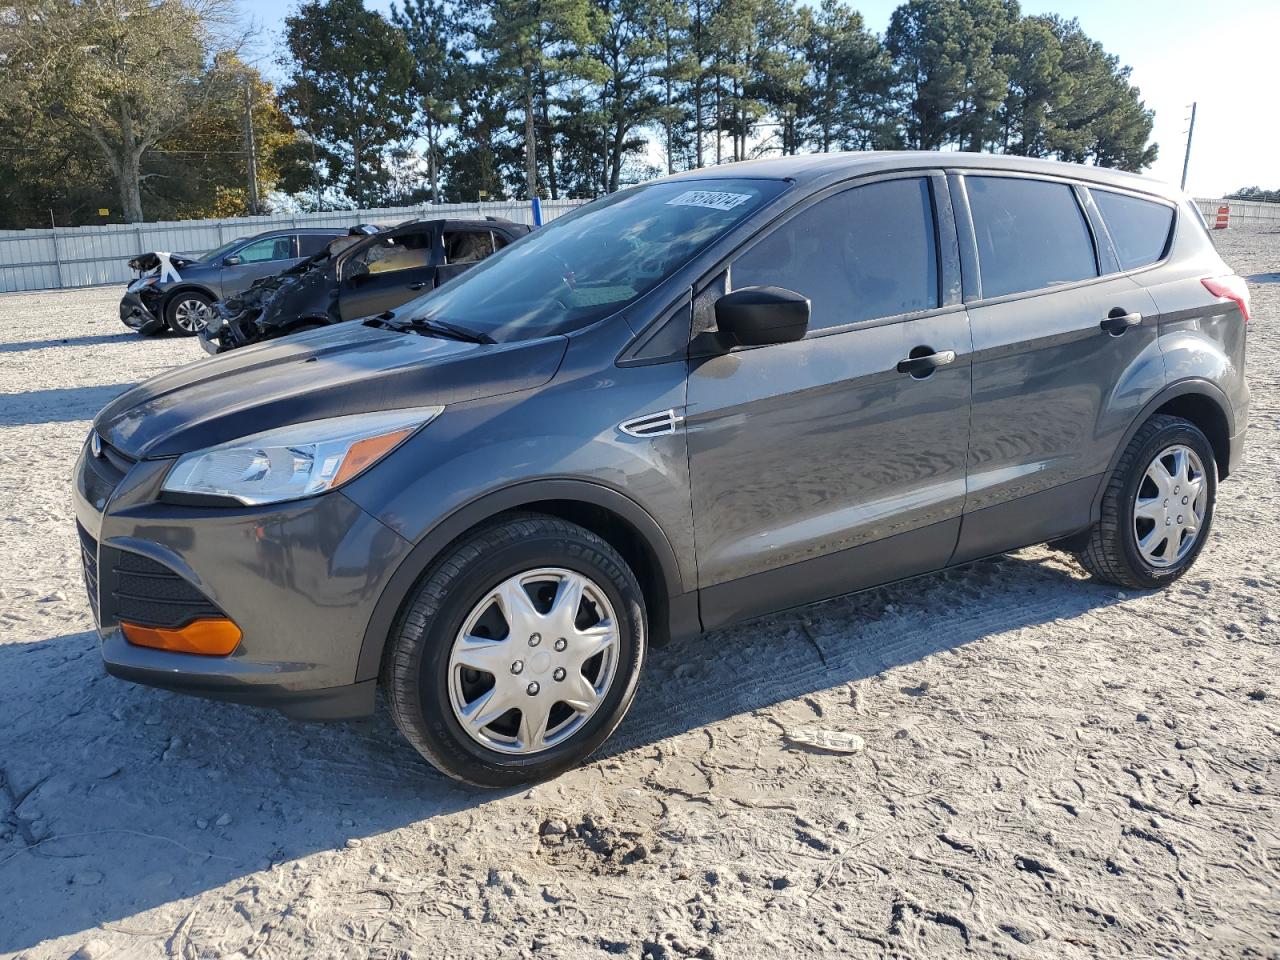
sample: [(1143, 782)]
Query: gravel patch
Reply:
[(1006, 760)]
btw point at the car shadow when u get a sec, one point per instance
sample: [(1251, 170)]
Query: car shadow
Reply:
[(118, 798), (89, 340), (58, 405)]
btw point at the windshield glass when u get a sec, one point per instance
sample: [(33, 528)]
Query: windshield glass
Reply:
[(591, 263)]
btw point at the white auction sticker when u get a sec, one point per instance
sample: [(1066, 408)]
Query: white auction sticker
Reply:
[(709, 198)]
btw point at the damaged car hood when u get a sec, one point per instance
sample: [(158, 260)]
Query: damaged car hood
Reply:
[(147, 262), (344, 369)]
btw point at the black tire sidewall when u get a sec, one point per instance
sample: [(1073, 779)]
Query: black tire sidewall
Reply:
[(1187, 435), (453, 747)]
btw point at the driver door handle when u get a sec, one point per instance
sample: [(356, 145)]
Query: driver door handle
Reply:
[(922, 366), (1117, 321)]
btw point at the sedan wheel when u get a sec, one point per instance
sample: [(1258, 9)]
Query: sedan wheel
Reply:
[(189, 314)]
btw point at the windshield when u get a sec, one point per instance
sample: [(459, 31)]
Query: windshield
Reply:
[(210, 255), (591, 263)]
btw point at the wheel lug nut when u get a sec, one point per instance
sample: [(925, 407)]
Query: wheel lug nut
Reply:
[(532, 689), (517, 666), (1184, 499), (535, 639), (559, 674), (1179, 519), (1168, 521), (561, 644)]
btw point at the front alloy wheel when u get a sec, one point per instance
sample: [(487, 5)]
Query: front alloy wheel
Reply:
[(189, 313), (518, 653)]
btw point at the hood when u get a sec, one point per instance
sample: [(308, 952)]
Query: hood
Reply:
[(145, 262), (342, 369)]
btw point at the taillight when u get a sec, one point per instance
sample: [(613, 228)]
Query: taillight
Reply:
[(1230, 287)]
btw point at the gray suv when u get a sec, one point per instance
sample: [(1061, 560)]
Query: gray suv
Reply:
[(684, 405)]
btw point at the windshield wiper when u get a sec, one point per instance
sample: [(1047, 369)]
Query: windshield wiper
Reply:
[(432, 328)]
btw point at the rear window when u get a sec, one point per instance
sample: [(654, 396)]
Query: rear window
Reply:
[(1031, 234), (1139, 228)]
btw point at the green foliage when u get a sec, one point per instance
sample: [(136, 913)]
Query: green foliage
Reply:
[(351, 91), (464, 99), (101, 86), (1255, 193)]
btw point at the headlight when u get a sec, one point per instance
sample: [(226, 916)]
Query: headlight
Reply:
[(297, 461)]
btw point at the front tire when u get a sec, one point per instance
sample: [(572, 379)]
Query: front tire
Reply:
[(188, 312), (1157, 507), (518, 654)]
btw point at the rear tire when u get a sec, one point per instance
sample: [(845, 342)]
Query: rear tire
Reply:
[(1157, 507), (474, 677), (187, 312)]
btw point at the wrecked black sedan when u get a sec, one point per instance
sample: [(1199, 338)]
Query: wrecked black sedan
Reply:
[(178, 290), (356, 277)]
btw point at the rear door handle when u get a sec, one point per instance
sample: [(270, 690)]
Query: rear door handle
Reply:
[(921, 365), (418, 286), (1117, 321)]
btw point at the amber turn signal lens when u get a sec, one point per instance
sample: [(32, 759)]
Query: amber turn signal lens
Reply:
[(363, 453), (213, 638)]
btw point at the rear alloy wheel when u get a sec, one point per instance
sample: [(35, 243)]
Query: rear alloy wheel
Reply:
[(1157, 507), (519, 652), (188, 313)]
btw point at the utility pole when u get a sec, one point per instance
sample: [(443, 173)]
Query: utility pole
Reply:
[(251, 157), (1186, 159)]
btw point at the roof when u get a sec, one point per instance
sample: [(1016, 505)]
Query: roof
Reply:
[(815, 168)]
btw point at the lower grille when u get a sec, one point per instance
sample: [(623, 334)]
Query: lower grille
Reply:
[(150, 594), (89, 560)]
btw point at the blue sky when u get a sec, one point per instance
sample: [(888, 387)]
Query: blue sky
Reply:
[(1220, 54)]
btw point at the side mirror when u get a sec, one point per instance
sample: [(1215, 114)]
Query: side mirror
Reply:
[(755, 316), (231, 262)]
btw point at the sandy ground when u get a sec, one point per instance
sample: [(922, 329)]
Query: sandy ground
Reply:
[(1051, 768)]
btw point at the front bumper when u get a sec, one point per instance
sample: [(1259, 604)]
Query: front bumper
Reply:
[(299, 579), (137, 315)]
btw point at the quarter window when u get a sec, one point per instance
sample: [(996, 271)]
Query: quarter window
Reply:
[(866, 253), (1139, 228), (1031, 234)]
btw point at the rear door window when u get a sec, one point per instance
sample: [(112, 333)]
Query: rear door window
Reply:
[(863, 254), (1139, 228), (1031, 234)]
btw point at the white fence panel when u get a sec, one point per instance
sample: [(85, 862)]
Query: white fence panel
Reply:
[(87, 256), (1258, 212)]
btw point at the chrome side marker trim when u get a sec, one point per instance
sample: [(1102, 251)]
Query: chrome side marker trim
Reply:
[(652, 424)]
